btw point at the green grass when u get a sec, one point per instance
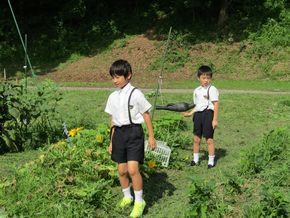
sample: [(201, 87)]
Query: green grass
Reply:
[(10, 161), (232, 84), (263, 85), (243, 120)]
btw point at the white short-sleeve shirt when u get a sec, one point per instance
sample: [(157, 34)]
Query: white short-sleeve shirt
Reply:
[(117, 106), (201, 99)]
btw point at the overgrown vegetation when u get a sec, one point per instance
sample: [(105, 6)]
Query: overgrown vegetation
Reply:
[(72, 177), (28, 118), (213, 199), (64, 175)]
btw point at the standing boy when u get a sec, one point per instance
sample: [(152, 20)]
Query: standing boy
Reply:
[(206, 100), (128, 108)]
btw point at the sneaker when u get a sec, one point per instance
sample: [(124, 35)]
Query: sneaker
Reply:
[(125, 202), (192, 163), (138, 209), (209, 166)]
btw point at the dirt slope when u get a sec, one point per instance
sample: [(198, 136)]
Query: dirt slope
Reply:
[(228, 60), (139, 51)]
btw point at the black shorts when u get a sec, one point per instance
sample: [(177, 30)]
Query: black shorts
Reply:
[(128, 144), (202, 124)]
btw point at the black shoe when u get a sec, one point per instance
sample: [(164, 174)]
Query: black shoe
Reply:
[(192, 163), (209, 166)]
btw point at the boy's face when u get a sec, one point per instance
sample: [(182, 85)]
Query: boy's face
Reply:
[(204, 79), (121, 81)]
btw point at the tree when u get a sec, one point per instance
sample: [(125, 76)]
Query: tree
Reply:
[(223, 12)]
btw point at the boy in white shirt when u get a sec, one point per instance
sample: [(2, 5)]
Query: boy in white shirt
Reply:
[(206, 100), (128, 108)]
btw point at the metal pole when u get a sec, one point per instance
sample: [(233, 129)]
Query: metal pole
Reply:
[(32, 71), (161, 74), (25, 63)]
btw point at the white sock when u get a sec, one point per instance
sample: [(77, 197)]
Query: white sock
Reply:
[(195, 157), (138, 196), (211, 160), (127, 192)]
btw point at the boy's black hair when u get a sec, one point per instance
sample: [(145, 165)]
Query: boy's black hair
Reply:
[(204, 70), (120, 68)]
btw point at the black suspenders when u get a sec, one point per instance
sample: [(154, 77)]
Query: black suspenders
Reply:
[(130, 118), (207, 98)]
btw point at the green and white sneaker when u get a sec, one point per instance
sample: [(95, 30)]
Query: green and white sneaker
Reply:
[(138, 209), (125, 202)]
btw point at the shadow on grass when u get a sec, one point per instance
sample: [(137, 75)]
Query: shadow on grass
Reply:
[(155, 187), (220, 153)]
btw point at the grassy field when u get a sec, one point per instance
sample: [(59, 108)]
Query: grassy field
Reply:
[(190, 84), (243, 120)]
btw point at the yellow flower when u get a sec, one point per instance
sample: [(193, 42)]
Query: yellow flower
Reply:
[(99, 138), (74, 132), (152, 163)]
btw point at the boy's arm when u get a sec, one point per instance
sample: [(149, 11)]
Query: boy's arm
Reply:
[(188, 113), (112, 129), (151, 139), (215, 114)]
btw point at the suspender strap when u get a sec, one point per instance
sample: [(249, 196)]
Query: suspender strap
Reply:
[(208, 92), (129, 113), (207, 98)]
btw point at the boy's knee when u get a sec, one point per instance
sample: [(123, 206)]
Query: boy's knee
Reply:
[(197, 140), (133, 172), (123, 173), (209, 141)]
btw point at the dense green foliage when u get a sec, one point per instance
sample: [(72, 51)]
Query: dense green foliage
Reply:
[(210, 199), (70, 179), (28, 118), (232, 188), (56, 31)]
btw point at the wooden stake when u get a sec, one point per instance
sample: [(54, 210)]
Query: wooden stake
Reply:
[(4, 74)]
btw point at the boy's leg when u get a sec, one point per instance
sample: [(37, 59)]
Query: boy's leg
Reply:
[(208, 133), (123, 175), (133, 169), (139, 205), (197, 131), (196, 146), (211, 152), (211, 148), (125, 185)]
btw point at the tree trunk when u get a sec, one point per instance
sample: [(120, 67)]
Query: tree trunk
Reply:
[(223, 14), (193, 14)]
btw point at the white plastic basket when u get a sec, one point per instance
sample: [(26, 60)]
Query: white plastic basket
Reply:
[(161, 153)]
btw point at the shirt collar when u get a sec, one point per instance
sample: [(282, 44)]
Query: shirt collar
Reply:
[(204, 87), (126, 88)]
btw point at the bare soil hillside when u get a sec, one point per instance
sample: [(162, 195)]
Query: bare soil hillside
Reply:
[(139, 51), (229, 60)]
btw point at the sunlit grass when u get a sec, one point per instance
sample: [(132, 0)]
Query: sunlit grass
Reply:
[(243, 120)]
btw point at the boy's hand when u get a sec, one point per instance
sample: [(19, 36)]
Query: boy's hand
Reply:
[(110, 148), (152, 143), (214, 124), (186, 114)]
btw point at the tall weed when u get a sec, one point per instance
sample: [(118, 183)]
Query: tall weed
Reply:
[(28, 117), (272, 148)]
